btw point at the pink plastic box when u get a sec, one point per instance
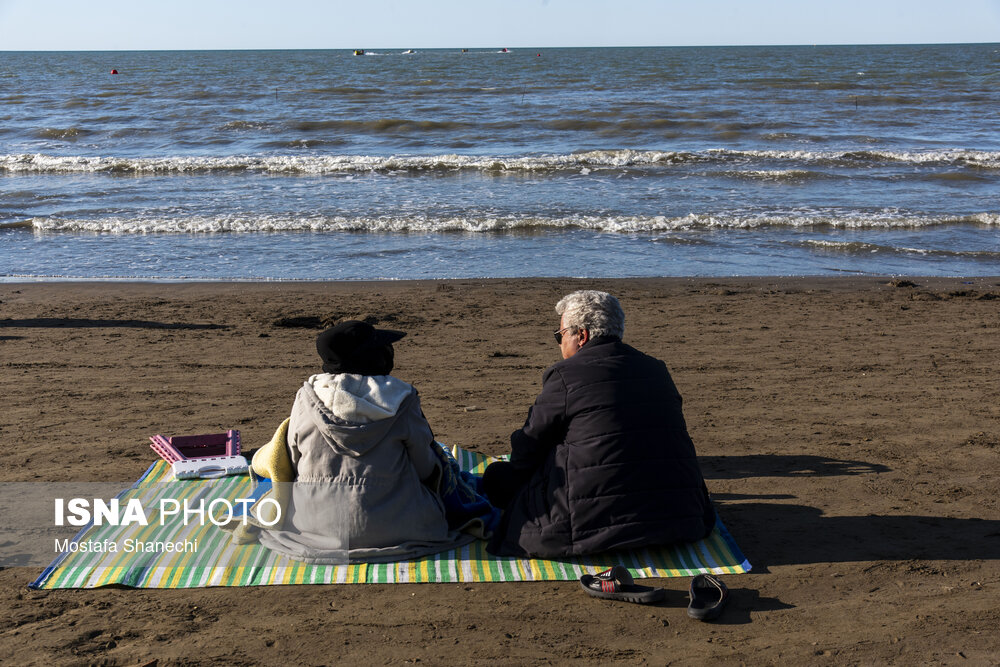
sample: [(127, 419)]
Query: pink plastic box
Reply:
[(186, 447)]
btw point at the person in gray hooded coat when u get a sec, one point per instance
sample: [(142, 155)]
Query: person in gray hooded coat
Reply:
[(367, 477)]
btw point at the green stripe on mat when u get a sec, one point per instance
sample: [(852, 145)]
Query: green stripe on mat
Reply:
[(219, 562)]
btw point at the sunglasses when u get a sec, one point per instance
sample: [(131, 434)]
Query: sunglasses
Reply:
[(558, 335)]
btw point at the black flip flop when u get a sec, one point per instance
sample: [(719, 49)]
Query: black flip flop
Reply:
[(617, 584), (708, 597)]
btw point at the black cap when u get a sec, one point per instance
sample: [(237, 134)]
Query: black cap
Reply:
[(357, 347)]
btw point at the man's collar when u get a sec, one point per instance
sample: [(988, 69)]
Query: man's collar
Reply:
[(601, 340)]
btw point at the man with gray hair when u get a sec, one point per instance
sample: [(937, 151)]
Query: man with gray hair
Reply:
[(604, 460)]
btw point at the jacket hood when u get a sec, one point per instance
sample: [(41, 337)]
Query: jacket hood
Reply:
[(354, 411)]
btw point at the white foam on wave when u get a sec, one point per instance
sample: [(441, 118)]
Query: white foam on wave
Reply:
[(961, 157), (486, 224), (337, 163), (591, 160)]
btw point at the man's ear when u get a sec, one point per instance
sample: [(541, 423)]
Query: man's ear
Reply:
[(584, 336)]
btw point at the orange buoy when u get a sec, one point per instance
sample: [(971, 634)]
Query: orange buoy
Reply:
[(114, 71)]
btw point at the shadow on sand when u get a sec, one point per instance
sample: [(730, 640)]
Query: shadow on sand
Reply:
[(778, 534), (775, 533), (775, 465), (83, 323), (742, 601)]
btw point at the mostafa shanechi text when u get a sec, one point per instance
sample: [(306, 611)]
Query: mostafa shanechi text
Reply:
[(126, 546)]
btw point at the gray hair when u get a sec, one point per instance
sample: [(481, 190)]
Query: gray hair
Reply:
[(597, 312)]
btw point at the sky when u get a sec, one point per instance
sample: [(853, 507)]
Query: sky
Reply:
[(98, 25)]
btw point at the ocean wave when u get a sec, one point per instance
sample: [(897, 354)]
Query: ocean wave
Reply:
[(957, 177), (17, 224), (287, 164), (595, 159), (345, 90), (298, 144), (245, 125), (947, 157), (63, 133), (799, 83), (485, 223), (381, 125), (862, 248), (778, 175)]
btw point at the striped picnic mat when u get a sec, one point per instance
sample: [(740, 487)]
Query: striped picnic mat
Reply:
[(109, 557)]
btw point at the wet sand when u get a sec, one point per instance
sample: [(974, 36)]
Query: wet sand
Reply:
[(849, 431)]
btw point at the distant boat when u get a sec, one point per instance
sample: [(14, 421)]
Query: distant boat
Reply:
[(359, 52), (408, 51)]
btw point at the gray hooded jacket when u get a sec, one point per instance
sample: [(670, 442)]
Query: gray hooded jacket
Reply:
[(367, 481)]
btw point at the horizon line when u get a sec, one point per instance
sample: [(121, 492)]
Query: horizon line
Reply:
[(480, 48)]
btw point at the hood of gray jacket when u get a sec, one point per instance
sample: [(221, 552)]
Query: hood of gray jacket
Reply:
[(355, 411)]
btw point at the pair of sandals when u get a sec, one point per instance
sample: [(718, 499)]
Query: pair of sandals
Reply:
[(708, 594)]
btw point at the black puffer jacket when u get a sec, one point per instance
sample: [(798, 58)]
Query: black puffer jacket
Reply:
[(613, 464)]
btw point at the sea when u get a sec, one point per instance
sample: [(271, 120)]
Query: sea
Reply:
[(491, 162)]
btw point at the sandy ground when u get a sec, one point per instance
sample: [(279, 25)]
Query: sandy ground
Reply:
[(848, 430)]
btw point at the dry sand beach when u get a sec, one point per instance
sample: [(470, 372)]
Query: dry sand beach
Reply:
[(849, 430)]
